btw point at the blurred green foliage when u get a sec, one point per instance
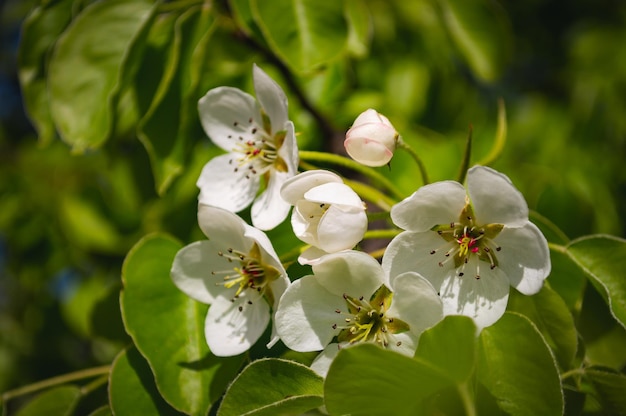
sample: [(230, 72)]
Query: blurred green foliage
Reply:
[(112, 146)]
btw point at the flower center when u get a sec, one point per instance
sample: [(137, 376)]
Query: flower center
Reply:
[(367, 321), (465, 239), (251, 273), (258, 153)]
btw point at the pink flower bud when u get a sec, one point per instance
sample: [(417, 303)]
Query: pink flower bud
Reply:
[(372, 139)]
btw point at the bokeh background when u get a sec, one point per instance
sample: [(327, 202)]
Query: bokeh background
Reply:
[(67, 219)]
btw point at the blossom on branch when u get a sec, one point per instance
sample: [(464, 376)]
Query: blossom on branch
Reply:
[(261, 146), (327, 213), (372, 139), (471, 245), (238, 273), (348, 300)]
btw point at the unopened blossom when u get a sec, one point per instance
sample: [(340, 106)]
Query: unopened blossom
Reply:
[(238, 273), (372, 139), (327, 213), (470, 244), (261, 146), (348, 300)]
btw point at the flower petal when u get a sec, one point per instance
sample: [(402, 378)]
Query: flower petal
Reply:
[(311, 256), (294, 188), (483, 300), (433, 204), (324, 359), (352, 272), (524, 258), (230, 331), (334, 193), (416, 302), (220, 185), (269, 209), (304, 221), (410, 252), (289, 150), (224, 228), (191, 271), (225, 114), (495, 198), (305, 315), (368, 152), (338, 230), (271, 97)]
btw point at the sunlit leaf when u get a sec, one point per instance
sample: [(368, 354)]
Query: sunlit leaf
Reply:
[(304, 33), (368, 380), (132, 390), (480, 32), (168, 329), (603, 258), (84, 70), (550, 314), (273, 386), (58, 401), (516, 367), (40, 31)]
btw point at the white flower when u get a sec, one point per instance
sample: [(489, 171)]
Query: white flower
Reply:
[(238, 273), (348, 300), (261, 144), (327, 213), (470, 245), (372, 139)]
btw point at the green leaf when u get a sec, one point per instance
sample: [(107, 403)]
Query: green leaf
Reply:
[(132, 390), (273, 386), (40, 31), (168, 329), (480, 32), (450, 346), (517, 368), (603, 258), (550, 314), (102, 411), (368, 380), (610, 387), (84, 70), (58, 401), (567, 279), (306, 34), (167, 127)]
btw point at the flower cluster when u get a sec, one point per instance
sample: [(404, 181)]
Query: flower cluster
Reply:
[(457, 249)]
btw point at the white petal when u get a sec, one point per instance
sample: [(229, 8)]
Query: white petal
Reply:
[(324, 359), (220, 185), (416, 302), (311, 256), (229, 331), (524, 258), (334, 193), (349, 272), (268, 254), (338, 230), (294, 188), (191, 271), (410, 252), (304, 220), (483, 300), (306, 314), (223, 228), (433, 204), (225, 114), (407, 340), (271, 97), (370, 116), (368, 152), (289, 150), (495, 199), (269, 209)]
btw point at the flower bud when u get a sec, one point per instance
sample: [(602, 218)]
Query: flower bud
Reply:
[(372, 139)]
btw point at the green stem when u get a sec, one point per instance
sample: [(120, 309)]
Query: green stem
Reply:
[(467, 400), (466, 156), (345, 162), (371, 194), (401, 144), (557, 247), (574, 372), (498, 144), (373, 234), (54, 381)]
